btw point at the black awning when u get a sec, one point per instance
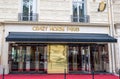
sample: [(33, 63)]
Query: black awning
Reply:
[(58, 37)]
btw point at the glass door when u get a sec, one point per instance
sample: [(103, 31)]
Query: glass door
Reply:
[(99, 58), (85, 58), (79, 59), (17, 58), (38, 58), (13, 59), (73, 59), (42, 58), (21, 52), (28, 58)]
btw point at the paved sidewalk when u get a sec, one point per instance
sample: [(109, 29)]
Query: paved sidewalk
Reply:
[(56, 76)]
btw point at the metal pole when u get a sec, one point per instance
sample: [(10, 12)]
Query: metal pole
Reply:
[(64, 73), (119, 73), (3, 73), (92, 74)]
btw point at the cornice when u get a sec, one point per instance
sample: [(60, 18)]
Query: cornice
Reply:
[(55, 23)]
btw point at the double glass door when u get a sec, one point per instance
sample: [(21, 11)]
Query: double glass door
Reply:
[(27, 58), (84, 58), (79, 58)]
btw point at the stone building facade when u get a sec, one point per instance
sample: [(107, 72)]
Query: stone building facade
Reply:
[(59, 17)]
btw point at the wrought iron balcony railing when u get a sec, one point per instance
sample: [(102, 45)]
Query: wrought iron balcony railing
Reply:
[(28, 17), (84, 18)]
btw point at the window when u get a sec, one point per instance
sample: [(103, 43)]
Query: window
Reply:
[(28, 10), (79, 11)]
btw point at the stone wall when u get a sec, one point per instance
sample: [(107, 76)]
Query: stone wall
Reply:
[(116, 10), (58, 10), (92, 11), (8, 10), (54, 10)]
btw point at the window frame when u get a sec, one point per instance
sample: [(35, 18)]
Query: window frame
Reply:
[(31, 15), (78, 3)]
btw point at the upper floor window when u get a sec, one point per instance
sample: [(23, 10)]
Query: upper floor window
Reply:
[(79, 11), (28, 11)]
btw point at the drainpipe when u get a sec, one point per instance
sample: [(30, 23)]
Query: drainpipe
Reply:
[(112, 32), (2, 44)]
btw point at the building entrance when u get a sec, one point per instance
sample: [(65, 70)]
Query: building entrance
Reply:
[(79, 59), (83, 58), (56, 58), (27, 58)]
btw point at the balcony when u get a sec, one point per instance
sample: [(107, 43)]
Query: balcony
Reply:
[(28, 17), (84, 19)]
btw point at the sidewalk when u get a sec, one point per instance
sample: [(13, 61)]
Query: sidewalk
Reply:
[(57, 76)]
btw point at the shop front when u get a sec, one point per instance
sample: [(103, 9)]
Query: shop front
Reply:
[(45, 47), (34, 52)]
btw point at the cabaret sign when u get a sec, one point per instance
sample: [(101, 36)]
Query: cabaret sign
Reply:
[(56, 28)]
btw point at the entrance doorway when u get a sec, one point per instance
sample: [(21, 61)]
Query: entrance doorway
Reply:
[(79, 59), (30, 59), (57, 58), (83, 58)]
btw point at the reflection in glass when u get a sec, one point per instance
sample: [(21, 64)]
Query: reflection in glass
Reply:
[(14, 59), (26, 58), (74, 58), (27, 10), (88, 57), (82, 57), (85, 53), (78, 11)]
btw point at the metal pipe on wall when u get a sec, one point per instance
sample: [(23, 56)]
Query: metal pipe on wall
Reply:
[(112, 32)]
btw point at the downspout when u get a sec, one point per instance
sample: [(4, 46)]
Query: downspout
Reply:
[(112, 32), (2, 43)]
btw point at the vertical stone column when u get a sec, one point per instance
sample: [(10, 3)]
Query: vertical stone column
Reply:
[(37, 52), (45, 58), (83, 56), (28, 58), (110, 59), (89, 63), (19, 51)]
